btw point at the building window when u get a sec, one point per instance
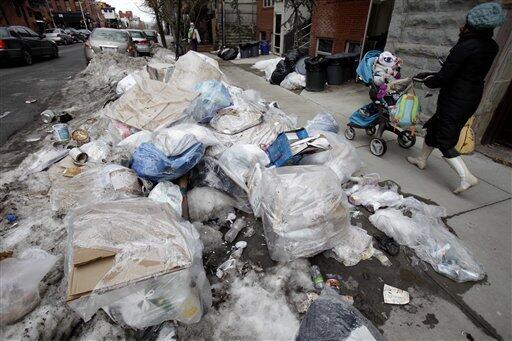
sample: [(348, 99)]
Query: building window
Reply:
[(353, 47), (324, 46), (268, 3)]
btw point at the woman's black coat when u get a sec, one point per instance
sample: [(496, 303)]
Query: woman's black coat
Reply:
[(461, 80)]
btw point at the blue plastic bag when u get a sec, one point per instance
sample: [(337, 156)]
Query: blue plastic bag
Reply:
[(214, 96), (279, 152), (151, 163)]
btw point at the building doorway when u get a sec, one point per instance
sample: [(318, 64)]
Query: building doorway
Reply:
[(499, 130), (377, 25)]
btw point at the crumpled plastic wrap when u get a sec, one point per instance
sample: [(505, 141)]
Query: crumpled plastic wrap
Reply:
[(239, 160), (294, 81), (148, 240), (323, 121), (213, 97), (193, 68), (19, 287), (374, 197), (426, 234), (329, 317), (304, 211), (168, 193), (342, 158), (356, 245), (102, 183), (150, 104), (206, 203), (125, 84), (41, 160), (233, 120)]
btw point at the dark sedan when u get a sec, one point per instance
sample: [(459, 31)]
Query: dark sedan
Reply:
[(19, 42)]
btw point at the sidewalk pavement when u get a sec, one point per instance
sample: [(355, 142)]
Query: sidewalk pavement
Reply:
[(481, 217)]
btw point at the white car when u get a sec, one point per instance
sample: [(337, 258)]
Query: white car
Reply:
[(58, 36)]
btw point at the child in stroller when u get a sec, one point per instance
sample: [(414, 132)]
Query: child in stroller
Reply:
[(380, 72)]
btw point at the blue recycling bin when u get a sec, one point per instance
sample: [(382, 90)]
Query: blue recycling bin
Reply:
[(264, 47)]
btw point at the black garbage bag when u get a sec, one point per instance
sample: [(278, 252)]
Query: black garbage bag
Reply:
[(315, 64), (229, 54), (293, 57), (331, 318), (282, 70), (207, 173)]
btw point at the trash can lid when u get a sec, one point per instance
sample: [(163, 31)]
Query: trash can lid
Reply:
[(300, 66)]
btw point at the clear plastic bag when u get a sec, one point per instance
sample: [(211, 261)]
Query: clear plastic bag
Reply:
[(355, 246), (102, 183), (235, 119), (375, 197), (304, 211), (19, 287), (156, 274), (125, 84), (430, 239), (323, 121), (173, 141), (205, 203), (169, 193), (213, 97), (342, 158), (329, 317), (294, 81)]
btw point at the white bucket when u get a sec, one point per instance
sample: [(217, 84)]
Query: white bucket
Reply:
[(61, 132)]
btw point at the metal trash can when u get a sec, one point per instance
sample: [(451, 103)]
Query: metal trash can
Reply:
[(316, 75), (341, 67), (349, 65), (255, 48), (245, 50)]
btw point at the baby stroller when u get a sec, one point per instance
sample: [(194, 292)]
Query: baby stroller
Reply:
[(374, 117)]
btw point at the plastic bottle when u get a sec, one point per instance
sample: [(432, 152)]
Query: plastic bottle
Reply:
[(316, 276), (237, 226)]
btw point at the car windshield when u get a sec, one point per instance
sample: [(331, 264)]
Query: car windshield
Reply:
[(111, 35), (3, 32), (150, 33), (136, 34)]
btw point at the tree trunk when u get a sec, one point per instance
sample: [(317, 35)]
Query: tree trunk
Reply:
[(3, 15), (160, 28)]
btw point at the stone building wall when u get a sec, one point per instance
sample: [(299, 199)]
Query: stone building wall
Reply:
[(420, 32)]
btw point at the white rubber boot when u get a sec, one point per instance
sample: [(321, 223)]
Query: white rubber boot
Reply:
[(421, 161), (467, 179)]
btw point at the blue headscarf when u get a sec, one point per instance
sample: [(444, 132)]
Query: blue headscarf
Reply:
[(486, 16)]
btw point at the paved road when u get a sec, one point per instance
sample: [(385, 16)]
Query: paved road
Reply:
[(19, 83)]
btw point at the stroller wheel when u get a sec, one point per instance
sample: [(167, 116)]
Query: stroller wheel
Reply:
[(350, 133), (406, 139), (378, 147), (370, 131)]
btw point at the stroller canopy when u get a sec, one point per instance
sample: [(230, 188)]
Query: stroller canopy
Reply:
[(365, 68)]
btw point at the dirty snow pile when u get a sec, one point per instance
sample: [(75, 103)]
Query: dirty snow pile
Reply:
[(164, 210)]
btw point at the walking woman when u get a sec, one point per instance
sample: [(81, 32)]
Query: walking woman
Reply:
[(193, 37), (461, 83)]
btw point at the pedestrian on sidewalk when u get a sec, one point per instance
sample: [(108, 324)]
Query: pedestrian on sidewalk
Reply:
[(193, 37), (461, 83)]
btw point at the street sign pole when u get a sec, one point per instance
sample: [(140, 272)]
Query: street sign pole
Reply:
[(83, 16)]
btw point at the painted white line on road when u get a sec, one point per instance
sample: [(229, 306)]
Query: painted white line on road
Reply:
[(5, 113)]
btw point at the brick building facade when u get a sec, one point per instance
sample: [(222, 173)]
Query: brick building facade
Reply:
[(265, 19), (337, 24), (65, 13)]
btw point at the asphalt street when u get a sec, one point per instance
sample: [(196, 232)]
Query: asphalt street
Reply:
[(21, 83)]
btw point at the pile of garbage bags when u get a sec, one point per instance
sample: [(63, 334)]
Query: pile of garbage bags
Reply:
[(283, 71)]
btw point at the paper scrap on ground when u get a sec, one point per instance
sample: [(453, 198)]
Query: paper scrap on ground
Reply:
[(394, 295)]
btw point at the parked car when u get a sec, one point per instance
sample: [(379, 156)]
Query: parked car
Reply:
[(151, 36), (77, 35), (141, 42), (75, 38), (19, 42), (58, 36), (109, 40)]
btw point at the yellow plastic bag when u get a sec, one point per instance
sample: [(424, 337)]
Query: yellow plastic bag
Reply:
[(466, 143)]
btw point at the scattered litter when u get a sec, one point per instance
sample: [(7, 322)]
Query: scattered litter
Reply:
[(249, 232), (331, 318), (10, 217), (48, 116), (388, 244), (207, 203), (394, 295), (231, 217), (97, 150), (236, 227), (33, 139), (241, 244), (19, 287), (316, 276), (78, 156), (30, 100), (426, 234), (61, 132), (80, 136), (304, 300), (354, 246), (71, 172), (383, 259), (4, 114), (323, 121), (41, 160), (374, 197)]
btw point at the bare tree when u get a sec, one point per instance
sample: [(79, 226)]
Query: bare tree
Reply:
[(156, 7), (301, 13)]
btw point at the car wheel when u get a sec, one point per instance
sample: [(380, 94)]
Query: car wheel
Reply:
[(27, 57)]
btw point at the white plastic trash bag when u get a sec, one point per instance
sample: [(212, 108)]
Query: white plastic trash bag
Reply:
[(294, 81), (427, 235), (173, 141), (194, 68), (233, 119), (102, 183), (19, 287), (125, 84), (138, 260), (374, 197), (342, 157), (268, 66), (323, 121), (304, 211), (169, 193)]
